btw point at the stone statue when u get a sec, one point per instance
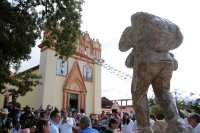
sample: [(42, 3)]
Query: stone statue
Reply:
[(151, 38)]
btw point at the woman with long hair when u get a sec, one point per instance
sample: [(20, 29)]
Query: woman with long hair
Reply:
[(43, 126), (113, 125), (128, 124), (31, 129)]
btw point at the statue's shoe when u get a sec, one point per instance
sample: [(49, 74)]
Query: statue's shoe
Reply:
[(145, 130), (177, 127)]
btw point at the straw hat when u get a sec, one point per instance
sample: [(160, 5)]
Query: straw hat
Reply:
[(109, 113), (4, 111), (79, 114), (186, 113)]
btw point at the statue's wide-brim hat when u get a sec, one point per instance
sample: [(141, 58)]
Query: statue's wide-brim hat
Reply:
[(161, 34)]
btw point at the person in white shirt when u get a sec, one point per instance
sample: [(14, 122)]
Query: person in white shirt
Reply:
[(65, 125), (82, 112), (70, 117), (135, 127), (186, 114), (17, 128), (127, 124), (194, 121)]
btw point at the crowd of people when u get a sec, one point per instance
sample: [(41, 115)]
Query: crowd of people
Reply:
[(13, 119)]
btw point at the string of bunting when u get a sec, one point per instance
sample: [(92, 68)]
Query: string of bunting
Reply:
[(120, 74), (181, 96)]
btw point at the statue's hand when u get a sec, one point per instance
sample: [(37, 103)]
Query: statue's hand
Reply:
[(130, 60), (175, 62)]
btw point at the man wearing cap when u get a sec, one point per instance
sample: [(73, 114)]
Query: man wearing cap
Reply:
[(186, 114), (14, 107), (109, 116), (5, 122)]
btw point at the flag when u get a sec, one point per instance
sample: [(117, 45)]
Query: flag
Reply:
[(191, 93)]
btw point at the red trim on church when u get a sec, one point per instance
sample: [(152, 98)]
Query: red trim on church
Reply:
[(74, 77)]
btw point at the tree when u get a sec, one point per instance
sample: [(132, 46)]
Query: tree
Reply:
[(156, 110), (152, 101), (22, 24), (196, 106)]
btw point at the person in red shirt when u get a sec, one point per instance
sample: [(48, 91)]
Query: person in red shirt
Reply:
[(102, 115), (115, 114)]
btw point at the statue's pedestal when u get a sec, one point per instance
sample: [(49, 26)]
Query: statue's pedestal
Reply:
[(160, 126)]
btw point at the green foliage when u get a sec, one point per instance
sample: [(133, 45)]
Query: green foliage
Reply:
[(22, 24), (156, 110), (64, 22), (24, 81), (193, 106), (196, 106), (152, 101)]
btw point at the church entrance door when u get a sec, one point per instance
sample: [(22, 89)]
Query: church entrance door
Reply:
[(73, 101)]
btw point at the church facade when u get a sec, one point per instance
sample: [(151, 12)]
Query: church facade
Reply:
[(75, 83)]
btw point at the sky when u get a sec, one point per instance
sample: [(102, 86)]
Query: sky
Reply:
[(105, 20)]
